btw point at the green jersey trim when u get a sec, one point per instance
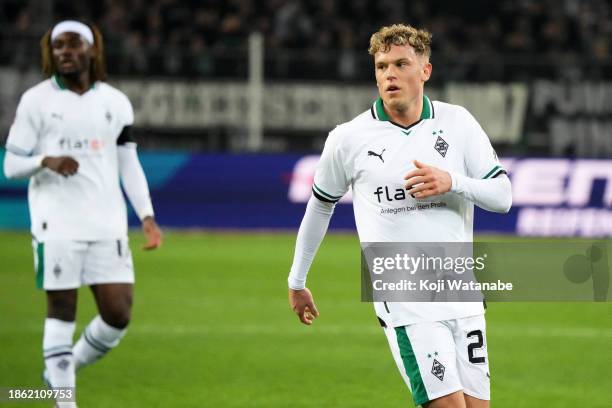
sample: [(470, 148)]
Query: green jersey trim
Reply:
[(59, 82), (493, 172), (427, 112), (419, 393), (378, 112), (318, 190), (40, 265)]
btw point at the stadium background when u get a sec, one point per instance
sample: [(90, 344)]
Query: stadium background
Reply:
[(233, 100)]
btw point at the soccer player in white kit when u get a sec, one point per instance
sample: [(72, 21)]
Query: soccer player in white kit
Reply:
[(408, 152), (71, 137)]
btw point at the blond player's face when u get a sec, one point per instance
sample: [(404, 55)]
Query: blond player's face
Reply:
[(400, 75)]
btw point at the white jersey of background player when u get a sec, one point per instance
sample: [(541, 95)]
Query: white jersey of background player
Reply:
[(71, 136), (416, 168)]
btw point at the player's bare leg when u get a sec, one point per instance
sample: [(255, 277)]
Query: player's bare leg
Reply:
[(61, 304), (114, 302), (454, 400), (57, 340), (105, 331), (472, 402)]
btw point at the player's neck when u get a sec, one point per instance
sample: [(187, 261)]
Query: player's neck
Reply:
[(408, 115), (78, 83)]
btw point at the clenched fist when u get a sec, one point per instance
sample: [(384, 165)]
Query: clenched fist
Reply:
[(64, 165)]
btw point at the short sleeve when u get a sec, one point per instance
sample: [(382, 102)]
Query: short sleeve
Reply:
[(128, 112), (125, 137), (24, 132), (481, 160), (331, 181)]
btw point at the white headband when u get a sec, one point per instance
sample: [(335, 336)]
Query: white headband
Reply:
[(71, 26)]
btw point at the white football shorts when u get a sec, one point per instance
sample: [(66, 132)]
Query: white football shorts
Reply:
[(66, 264), (438, 358)]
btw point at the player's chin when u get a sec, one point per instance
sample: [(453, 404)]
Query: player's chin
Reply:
[(68, 70), (396, 102), (391, 97)]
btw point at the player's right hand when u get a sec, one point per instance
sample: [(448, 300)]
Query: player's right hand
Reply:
[(302, 304), (64, 165), (152, 233)]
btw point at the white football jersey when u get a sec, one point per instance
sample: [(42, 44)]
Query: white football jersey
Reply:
[(54, 121), (372, 155)]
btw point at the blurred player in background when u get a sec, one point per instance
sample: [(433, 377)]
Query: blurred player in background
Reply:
[(71, 137), (419, 150)]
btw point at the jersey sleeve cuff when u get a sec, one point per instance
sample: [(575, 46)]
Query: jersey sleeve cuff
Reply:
[(296, 284), (145, 210), (494, 172), (323, 196), (147, 213)]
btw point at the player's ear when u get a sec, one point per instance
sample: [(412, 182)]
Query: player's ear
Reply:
[(426, 71)]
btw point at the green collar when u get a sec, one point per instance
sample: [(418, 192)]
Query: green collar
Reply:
[(61, 85), (378, 111)]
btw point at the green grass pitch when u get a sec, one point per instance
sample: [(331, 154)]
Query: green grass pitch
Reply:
[(211, 328)]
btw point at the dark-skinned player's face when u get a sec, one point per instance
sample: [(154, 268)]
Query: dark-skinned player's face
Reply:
[(72, 54)]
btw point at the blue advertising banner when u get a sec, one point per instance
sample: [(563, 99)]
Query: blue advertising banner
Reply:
[(232, 191), (551, 197)]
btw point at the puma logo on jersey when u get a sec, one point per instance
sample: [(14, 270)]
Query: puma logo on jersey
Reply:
[(57, 116), (371, 153)]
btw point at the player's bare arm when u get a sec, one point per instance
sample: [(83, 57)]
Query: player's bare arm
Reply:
[(427, 181), (152, 233), (64, 165), (303, 305)]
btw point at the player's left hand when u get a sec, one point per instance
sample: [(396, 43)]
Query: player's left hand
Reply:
[(152, 233), (303, 305), (427, 181)]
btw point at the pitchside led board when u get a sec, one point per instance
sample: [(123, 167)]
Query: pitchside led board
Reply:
[(551, 197)]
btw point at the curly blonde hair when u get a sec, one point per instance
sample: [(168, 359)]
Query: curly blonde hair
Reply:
[(401, 34)]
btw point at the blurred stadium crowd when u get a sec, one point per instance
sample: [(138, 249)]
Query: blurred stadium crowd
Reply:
[(476, 40)]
